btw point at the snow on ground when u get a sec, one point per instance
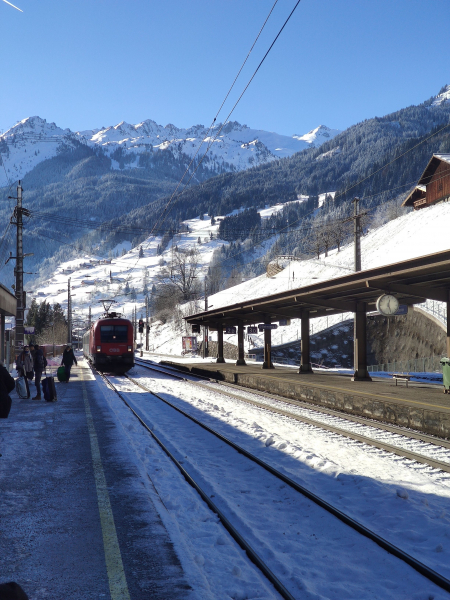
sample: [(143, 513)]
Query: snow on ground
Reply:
[(312, 553)]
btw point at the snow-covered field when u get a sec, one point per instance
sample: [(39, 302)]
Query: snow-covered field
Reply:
[(313, 554)]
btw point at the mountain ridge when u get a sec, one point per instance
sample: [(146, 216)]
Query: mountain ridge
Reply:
[(234, 147)]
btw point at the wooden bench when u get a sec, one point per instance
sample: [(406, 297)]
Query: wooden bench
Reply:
[(401, 377)]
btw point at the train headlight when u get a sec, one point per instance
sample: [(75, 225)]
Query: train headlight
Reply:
[(99, 348), (130, 348)]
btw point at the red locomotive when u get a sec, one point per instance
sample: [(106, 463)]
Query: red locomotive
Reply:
[(108, 345)]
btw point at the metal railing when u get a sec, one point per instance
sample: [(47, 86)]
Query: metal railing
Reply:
[(414, 365), (435, 308)]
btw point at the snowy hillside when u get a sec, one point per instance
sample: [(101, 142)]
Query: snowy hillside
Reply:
[(415, 234), (442, 97), (27, 144), (238, 147)]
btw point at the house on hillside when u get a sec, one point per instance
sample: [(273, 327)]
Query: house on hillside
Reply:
[(433, 186)]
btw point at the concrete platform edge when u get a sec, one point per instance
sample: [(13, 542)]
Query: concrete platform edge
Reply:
[(433, 422)]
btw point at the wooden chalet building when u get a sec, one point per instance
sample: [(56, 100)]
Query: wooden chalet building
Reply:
[(434, 185)]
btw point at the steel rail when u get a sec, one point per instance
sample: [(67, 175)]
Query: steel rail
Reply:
[(418, 566), (435, 464), (253, 556), (423, 437)]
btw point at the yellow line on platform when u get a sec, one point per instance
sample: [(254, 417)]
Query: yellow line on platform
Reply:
[(116, 574)]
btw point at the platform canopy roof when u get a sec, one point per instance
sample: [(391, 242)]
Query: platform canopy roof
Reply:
[(8, 302), (411, 281)]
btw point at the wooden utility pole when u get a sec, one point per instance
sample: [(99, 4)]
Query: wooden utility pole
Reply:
[(17, 220), (357, 231), (205, 328), (89, 318), (357, 235)]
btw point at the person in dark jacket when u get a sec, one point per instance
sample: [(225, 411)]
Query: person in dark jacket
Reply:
[(7, 385), (24, 363), (40, 362), (12, 591), (68, 358)]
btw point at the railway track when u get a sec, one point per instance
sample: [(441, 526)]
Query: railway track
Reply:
[(421, 568), (415, 456)]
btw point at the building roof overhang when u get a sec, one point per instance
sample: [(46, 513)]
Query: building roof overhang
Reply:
[(419, 191), (8, 302), (431, 167)]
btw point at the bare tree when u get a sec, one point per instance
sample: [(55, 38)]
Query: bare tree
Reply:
[(182, 273), (339, 232)]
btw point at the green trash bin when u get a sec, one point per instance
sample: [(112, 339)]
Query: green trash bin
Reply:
[(445, 362)]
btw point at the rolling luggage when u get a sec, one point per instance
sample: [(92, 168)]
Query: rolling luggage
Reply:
[(48, 387), (22, 388), (61, 373)]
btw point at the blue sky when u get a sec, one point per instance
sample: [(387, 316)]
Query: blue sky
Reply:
[(93, 63)]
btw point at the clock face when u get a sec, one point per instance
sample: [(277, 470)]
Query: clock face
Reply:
[(387, 305)]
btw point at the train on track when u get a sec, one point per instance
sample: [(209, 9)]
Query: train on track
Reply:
[(109, 345)]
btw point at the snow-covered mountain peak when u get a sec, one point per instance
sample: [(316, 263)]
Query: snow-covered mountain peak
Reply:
[(318, 136), (442, 97), (35, 126), (236, 146)]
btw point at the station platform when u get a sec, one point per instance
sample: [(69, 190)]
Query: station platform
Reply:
[(423, 407), (77, 520)]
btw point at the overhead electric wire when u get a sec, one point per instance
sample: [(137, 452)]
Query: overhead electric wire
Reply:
[(393, 160), (220, 108), (228, 116), (234, 106)]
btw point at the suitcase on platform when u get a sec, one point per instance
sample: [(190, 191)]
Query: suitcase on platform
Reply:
[(61, 373), (48, 387)]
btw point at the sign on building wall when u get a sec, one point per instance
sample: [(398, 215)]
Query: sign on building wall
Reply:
[(29, 330)]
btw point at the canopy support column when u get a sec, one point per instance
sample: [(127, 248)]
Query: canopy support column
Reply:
[(305, 360), (267, 364), (241, 359), (360, 344), (220, 358)]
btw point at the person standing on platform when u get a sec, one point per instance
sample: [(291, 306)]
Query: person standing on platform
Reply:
[(40, 362), (68, 358), (7, 384), (24, 363)]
